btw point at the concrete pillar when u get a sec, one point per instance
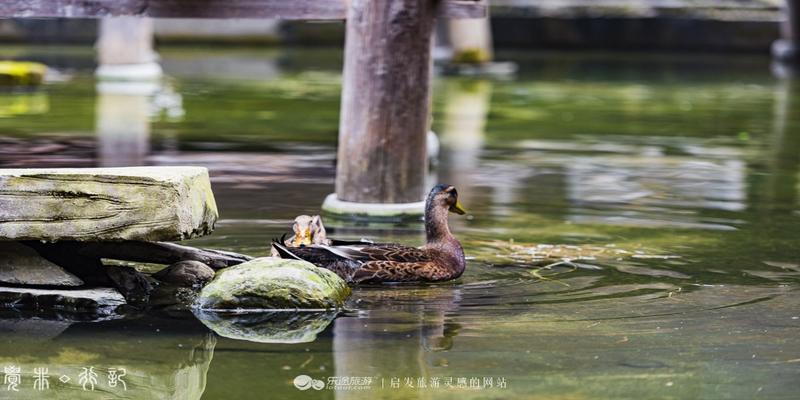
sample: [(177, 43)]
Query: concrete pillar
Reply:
[(125, 49)]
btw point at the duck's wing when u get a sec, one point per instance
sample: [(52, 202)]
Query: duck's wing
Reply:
[(365, 263), (379, 252), (341, 242), (392, 271), (317, 255)]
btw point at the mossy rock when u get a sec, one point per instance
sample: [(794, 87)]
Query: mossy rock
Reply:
[(471, 56), (21, 73), (273, 284)]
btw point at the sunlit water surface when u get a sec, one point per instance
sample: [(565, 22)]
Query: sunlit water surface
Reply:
[(682, 169)]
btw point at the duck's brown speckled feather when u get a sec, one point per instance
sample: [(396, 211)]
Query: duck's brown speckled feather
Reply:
[(375, 263)]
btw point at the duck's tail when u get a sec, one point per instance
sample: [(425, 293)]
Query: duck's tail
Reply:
[(282, 250)]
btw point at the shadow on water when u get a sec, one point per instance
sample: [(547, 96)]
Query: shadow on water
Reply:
[(675, 178)]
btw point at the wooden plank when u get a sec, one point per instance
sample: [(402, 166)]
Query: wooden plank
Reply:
[(96, 204), (385, 102), (272, 9)]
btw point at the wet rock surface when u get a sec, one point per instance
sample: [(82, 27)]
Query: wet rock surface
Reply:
[(273, 283), (96, 301), (134, 285), (186, 274), (21, 265)]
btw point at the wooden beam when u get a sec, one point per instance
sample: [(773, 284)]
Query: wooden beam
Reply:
[(266, 9)]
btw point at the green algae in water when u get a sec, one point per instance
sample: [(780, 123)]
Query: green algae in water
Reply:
[(640, 151)]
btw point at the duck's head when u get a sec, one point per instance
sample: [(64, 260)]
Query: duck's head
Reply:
[(307, 230), (445, 197)]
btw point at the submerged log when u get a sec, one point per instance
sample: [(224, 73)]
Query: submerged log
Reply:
[(145, 252), (134, 285), (96, 204)]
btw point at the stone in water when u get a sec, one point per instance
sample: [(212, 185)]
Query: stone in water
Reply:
[(21, 265), (272, 283)]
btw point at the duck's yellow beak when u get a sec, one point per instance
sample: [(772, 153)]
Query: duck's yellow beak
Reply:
[(302, 238), (458, 208)]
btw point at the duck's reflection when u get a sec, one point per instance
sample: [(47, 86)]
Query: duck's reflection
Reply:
[(400, 340)]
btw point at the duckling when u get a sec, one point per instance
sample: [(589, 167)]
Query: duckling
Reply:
[(440, 259), (307, 230)]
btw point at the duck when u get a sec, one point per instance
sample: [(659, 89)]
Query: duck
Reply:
[(308, 230), (440, 259)]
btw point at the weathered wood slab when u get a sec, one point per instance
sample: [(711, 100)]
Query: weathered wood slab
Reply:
[(272, 9), (106, 204)]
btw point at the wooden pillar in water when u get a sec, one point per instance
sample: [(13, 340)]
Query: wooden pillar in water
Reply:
[(788, 47), (385, 101)]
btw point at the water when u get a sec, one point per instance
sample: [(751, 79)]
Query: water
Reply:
[(681, 172)]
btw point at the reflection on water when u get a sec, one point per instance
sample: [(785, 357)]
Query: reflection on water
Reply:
[(130, 359), (267, 327), (682, 171)]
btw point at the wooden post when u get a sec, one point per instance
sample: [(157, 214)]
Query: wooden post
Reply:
[(385, 101), (787, 48)]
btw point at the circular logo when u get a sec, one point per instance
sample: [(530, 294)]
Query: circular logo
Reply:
[(303, 382)]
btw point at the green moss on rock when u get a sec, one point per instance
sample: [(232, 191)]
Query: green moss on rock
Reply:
[(471, 56), (273, 283)]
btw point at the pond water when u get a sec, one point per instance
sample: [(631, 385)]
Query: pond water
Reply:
[(682, 171)]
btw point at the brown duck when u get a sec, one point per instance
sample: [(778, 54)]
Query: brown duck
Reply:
[(440, 259)]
